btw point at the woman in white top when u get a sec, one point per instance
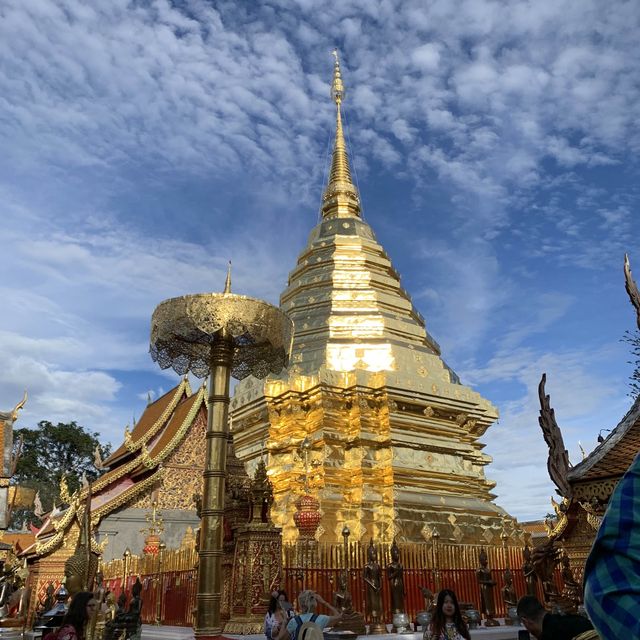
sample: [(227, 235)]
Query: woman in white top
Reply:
[(447, 622), (275, 619)]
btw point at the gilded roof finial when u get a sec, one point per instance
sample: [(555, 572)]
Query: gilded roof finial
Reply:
[(227, 282), (340, 198), (337, 87), (14, 413)]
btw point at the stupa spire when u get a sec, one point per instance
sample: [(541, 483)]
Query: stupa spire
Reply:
[(340, 198)]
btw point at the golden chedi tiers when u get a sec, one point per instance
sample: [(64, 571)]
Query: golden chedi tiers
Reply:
[(393, 432)]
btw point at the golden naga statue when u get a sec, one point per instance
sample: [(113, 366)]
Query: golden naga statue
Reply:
[(80, 569)]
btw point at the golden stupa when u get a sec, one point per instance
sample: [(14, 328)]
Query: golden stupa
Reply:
[(394, 434)]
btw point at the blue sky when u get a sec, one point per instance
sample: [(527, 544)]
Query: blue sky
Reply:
[(495, 143)]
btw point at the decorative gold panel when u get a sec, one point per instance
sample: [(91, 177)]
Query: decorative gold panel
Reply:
[(182, 471)]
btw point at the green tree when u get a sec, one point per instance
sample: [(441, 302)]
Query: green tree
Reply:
[(49, 452)]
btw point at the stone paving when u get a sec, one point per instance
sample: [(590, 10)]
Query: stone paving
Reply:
[(150, 632)]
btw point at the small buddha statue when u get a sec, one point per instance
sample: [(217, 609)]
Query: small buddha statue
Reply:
[(373, 587), (530, 575), (115, 618), (487, 585), (17, 605), (423, 618), (395, 572), (111, 608), (351, 620), (49, 599), (134, 615), (429, 598), (509, 596), (96, 624)]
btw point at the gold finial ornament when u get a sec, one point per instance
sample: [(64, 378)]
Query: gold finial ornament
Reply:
[(227, 282), (154, 530), (337, 87), (20, 405), (340, 198)]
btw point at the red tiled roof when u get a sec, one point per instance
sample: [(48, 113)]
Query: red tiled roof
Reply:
[(161, 445), (148, 423)]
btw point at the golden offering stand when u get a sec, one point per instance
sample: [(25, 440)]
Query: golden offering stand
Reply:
[(220, 335)]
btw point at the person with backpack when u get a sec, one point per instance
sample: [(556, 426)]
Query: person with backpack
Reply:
[(81, 609), (308, 601)]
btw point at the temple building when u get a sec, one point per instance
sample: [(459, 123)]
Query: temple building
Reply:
[(592, 482), (586, 488), (394, 435), (160, 457)]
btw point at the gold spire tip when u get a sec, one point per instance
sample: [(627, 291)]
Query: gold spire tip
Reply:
[(340, 198), (227, 282), (337, 86)]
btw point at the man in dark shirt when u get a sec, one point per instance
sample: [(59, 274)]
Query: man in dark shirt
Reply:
[(549, 626)]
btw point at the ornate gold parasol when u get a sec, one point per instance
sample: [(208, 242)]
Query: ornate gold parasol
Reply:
[(220, 335)]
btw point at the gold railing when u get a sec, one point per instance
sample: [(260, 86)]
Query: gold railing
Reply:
[(172, 560)]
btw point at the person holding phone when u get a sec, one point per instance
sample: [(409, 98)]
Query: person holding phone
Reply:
[(287, 607), (308, 602)]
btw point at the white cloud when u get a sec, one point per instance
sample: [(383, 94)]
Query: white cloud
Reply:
[(583, 401), (426, 57), (503, 119), (79, 304)]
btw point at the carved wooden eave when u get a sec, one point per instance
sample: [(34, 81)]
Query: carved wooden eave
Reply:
[(131, 475), (608, 462)]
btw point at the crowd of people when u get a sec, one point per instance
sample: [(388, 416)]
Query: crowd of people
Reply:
[(281, 622), (447, 621)]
